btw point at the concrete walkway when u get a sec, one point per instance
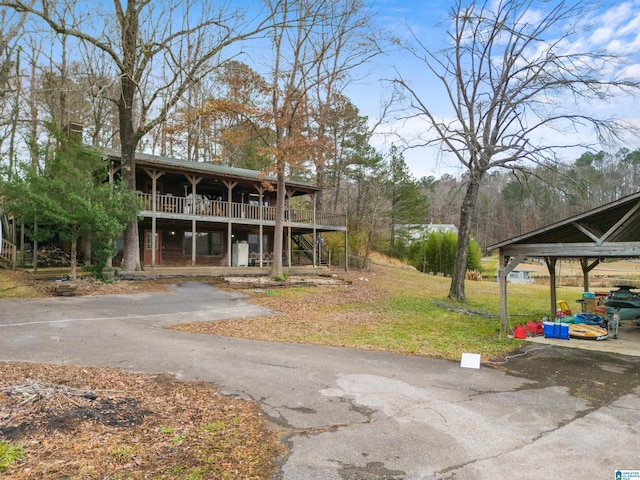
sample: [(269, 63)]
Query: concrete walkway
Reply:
[(627, 343), (350, 414)]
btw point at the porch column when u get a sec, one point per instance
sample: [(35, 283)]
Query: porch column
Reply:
[(316, 249), (155, 175), (193, 242), (230, 186), (289, 246), (316, 243), (346, 251), (260, 190)]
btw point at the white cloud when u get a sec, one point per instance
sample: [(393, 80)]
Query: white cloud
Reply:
[(631, 72), (602, 35), (616, 31)]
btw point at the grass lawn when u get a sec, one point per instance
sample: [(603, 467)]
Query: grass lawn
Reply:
[(16, 285), (393, 309)]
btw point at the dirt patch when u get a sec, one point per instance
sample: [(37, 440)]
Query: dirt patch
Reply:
[(328, 312), (96, 423), (91, 286)]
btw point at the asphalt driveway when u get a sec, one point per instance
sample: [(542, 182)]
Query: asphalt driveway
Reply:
[(348, 414)]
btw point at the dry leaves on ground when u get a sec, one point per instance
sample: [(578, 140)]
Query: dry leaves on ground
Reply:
[(98, 423), (299, 318)]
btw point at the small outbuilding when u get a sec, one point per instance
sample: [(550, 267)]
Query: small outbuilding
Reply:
[(520, 275), (609, 231)]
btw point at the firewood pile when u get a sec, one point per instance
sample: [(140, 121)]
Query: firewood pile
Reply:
[(54, 258)]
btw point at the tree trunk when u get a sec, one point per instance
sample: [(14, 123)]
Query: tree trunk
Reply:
[(278, 234), (74, 261), (456, 291), (128, 145), (35, 245)]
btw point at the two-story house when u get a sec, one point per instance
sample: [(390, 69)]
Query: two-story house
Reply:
[(201, 214)]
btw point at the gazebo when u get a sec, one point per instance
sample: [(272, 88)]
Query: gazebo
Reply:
[(609, 231)]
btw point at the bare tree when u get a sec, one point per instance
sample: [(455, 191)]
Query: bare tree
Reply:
[(11, 33), (220, 121), (508, 80), (157, 49), (314, 49)]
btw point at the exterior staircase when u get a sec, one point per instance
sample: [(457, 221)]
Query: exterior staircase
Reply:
[(305, 245)]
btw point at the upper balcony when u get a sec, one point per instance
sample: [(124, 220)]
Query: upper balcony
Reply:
[(201, 206)]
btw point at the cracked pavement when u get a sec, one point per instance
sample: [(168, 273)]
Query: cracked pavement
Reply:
[(351, 414)]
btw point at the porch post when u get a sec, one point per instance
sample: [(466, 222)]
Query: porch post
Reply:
[(315, 234), (229, 186), (193, 242), (316, 249), (346, 251), (261, 228), (229, 243), (154, 201), (289, 247), (155, 175), (153, 240)]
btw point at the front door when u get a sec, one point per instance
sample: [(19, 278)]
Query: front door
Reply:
[(149, 245)]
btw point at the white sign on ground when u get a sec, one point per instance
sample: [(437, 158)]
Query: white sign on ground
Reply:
[(470, 360)]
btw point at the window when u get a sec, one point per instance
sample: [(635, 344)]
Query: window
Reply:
[(207, 243), (151, 241), (254, 245)]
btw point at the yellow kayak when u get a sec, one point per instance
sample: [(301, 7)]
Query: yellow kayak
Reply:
[(587, 332)]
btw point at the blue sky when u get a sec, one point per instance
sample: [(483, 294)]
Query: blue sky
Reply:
[(615, 27)]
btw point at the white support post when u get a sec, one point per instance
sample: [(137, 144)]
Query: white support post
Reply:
[(193, 242)]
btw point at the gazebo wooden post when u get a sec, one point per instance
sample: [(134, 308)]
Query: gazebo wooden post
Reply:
[(584, 264), (551, 266), (502, 279)]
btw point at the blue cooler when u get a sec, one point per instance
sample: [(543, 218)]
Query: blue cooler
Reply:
[(555, 330)]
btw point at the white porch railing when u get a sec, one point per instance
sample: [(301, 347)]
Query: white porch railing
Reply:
[(201, 205)]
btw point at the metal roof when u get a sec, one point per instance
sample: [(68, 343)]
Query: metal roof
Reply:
[(179, 165), (611, 230)]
